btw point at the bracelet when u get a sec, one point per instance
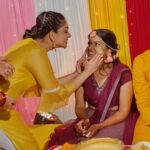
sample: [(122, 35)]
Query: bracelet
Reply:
[(2, 98)]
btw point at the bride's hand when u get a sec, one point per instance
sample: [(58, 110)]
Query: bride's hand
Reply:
[(93, 130), (79, 127)]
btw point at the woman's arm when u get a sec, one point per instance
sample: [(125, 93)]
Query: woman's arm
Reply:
[(84, 122), (54, 94), (80, 104), (89, 67), (68, 78), (79, 64), (125, 99)]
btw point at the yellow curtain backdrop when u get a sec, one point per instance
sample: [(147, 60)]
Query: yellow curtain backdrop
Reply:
[(111, 14)]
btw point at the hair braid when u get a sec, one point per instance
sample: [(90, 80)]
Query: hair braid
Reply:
[(45, 22)]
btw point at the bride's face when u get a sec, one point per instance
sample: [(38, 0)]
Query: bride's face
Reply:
[(96, 45)]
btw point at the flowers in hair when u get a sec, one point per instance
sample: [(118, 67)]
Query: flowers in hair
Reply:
[(92, 34), (115, 56)]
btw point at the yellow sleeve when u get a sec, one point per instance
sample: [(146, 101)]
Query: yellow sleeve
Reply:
[(141, 86), (53, 94)]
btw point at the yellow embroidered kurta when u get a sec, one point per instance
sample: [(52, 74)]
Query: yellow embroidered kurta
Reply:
[(32, 69), (141, 83)]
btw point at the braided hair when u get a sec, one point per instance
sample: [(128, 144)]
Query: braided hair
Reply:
[(45, 22)]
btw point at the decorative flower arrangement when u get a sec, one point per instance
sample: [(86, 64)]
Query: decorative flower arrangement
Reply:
[(92, 34)]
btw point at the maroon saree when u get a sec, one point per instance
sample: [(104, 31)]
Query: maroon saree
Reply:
[(102, 101)]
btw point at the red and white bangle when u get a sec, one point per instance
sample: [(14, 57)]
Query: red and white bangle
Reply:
[(2, 98)]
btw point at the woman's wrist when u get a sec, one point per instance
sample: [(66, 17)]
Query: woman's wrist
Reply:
[(86, 73), (101, 126), (2, 98), (76, 73)]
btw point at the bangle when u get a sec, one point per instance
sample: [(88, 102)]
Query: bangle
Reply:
[(2, 98)]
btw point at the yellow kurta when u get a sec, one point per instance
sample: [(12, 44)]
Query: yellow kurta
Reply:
[(32, 69), (141, 83)]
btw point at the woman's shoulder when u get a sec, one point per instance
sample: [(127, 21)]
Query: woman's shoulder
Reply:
[(121, 66), (34, 48), (125, 75)]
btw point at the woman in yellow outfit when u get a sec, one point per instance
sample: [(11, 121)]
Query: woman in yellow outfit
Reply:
[(141, 82), (33, 69)]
